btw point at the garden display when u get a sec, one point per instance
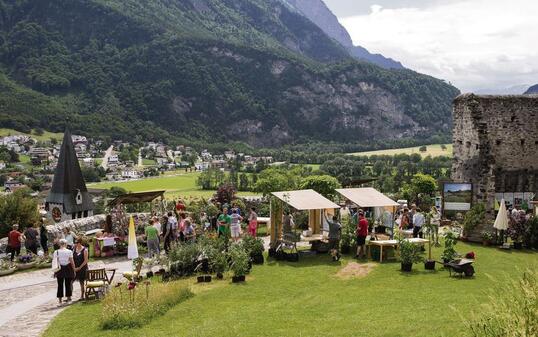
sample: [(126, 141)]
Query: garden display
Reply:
[(26, 262), (409, 254), (6, 267)]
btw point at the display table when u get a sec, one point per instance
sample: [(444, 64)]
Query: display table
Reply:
[(391, 243), (313, 237)]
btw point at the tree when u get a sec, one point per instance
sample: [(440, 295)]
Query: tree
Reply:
[(423, 148), (17, 208), (324, 185), (243, 182), (421, 189), (225, 194), (443, 147)]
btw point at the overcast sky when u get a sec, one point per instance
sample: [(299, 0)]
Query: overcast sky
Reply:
[(475, 44)]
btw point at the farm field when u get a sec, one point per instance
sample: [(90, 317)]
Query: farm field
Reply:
[(45, 137), (434, 150), (175, 184), (308, 298)]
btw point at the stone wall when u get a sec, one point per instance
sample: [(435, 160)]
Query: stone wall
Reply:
[(495, 142)]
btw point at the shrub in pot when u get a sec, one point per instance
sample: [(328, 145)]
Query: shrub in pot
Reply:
[(487, 237), (409, 254), (240, 260), (449, 253), (254, 247)]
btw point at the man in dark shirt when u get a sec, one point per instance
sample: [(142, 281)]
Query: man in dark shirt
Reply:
[(335, 229), (30, 235)]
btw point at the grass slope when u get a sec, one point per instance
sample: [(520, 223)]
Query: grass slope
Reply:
[(176, 185), (432, 150), (46, 136), (306, 299)]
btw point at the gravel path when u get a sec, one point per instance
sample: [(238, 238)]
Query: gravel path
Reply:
[(28, 300)]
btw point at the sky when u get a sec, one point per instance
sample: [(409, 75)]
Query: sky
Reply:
[(483, 46)]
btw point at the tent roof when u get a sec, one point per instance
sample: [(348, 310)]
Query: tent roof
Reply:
[(135, 198), (305, 200), (367, 197)]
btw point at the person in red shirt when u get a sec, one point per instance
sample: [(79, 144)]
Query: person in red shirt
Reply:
[(14, 242), (362, 233)]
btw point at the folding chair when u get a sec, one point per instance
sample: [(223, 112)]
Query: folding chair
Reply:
[(96, 283)]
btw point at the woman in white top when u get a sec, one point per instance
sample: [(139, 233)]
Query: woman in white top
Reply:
[(63, 259)]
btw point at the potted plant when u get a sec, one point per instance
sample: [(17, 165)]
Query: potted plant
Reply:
[(429, 264), (517, 232), (254, 247), (449, 253), (409, 254), (6, 267), (474, 217), (487, 238), (26, 262), (239, 264), (347, 236)]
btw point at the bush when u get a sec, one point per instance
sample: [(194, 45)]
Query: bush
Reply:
[(531, 236), (239, 259), (183, 259), (449, 253), (513, 311), (253, 246), (125, 309), (474, 217), (409, 252)]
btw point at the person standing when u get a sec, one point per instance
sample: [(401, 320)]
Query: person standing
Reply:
[(66, 273), (189, 233), (404, 223), (43, 238), (30, 242), (335, 230), (80, 257), (252, 222), (69, 238), (167, 234), (14, 242), (235, 225), (436, 222), (224, 222), (362, 233), (152, 239), (418, 221), (412, 213), (172, 223)]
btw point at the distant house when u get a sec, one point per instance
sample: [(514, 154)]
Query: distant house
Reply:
[(113, 160), (88, 162), (39, 154), (220, 164), (79, 140), (202, 166), (130, 174), (12, 185)]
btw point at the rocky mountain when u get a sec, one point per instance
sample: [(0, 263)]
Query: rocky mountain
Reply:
[(321, 15), (532, 90), (204, 71)]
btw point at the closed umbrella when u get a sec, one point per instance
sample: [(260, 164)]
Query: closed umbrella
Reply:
[(132, 249), (501, 223)]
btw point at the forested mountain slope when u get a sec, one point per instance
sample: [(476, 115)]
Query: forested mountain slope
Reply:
[(203, 70)]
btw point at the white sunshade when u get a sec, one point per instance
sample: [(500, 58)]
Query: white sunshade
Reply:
[(305, 200), (501, 222), (367, 197)]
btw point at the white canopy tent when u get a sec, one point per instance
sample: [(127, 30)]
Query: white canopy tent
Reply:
[(302, 200)]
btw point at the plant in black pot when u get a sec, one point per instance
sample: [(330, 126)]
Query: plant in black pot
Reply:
[(347, 236), (517, 231), (430, 229), (409, 254), (239, 266), (449, 253), (487, 238), (254, 247)]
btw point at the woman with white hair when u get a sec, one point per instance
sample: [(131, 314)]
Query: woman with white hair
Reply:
[(65, 265)]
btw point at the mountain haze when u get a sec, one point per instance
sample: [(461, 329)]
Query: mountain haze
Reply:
[(318, 12), (532, 90), (202, 70)]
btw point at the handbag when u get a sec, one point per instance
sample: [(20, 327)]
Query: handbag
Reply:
[(55, 264)]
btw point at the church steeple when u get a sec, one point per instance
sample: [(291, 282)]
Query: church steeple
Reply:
[(69, 194)]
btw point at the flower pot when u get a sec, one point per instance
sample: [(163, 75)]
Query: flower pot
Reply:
[(272, 252), (257, 259), (407, 267), (200, 279), (345, 249), (429, 264), (292, 257), (207, 278), (518, 245), (220, 276), (149, 274), (7, 271), (23, 266), (485, 243), (237, 279)]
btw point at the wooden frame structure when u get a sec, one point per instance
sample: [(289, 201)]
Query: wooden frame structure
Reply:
[(302, 200)]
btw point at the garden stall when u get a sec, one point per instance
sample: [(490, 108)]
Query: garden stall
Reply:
[(367, 197), (303, 200)]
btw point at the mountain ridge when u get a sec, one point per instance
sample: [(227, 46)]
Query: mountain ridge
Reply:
[(164, 71)]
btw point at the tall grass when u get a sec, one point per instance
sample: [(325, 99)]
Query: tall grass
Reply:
[(124, 309), (513, 311)]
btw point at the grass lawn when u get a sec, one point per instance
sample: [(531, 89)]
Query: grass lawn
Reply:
[(432, 150), (177, 185), (307, 299), (45, 137), (148, 162)]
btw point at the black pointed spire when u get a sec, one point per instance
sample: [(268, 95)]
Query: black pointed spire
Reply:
[(68, 186)]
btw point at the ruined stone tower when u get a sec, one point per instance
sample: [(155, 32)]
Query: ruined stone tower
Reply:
[(495, 146)]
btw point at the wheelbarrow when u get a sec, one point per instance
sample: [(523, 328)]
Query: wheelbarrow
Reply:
[(461, 267)]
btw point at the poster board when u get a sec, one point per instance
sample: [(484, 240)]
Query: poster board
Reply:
[(457, 198)]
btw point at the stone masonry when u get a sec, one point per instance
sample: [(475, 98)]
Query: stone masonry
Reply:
[(495, 146)]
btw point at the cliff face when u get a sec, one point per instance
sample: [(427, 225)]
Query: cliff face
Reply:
[(317, 12), (204, 70)]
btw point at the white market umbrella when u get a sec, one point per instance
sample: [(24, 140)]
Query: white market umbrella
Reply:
[(132, 248), (501, 222)]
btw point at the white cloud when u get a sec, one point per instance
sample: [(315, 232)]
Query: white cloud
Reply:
[(472, 43)]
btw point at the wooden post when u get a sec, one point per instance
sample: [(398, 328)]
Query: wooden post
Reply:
[(276, 221)]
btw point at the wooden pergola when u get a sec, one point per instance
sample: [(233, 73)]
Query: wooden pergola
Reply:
[(303, 200)]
